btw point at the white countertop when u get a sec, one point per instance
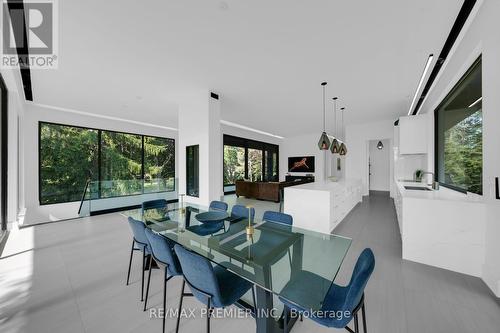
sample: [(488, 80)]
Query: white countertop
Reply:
[(442, 194), (325, 186)]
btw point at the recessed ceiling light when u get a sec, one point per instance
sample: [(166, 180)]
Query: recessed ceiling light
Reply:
[(477, 101)]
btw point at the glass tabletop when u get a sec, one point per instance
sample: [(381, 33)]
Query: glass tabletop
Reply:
[(271, 258)]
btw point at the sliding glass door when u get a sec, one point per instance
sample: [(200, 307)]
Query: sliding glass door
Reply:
[(255, 162), (251, 160), (234, 166)]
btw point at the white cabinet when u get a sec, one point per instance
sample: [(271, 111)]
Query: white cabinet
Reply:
[(398, 204), (413, 134), (322, 206)]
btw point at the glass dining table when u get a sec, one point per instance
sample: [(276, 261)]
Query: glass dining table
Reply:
[(270, 258)]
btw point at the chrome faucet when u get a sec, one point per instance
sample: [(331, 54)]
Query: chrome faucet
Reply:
[(435, 184)]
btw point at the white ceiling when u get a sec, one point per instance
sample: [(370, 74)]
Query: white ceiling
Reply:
[(128, 59)]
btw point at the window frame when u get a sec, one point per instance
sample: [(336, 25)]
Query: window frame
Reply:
[(235, 141), (436, 130), (99, 159)]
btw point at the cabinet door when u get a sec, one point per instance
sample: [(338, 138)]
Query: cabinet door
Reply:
[(413, 134)]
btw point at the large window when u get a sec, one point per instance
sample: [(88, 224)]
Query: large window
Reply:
[(248, 159), (123, 163), (459, 129), (193, 171), (68, 158), (234, 164), (159, 164)]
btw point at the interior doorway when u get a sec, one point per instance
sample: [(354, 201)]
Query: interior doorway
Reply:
[(379, 166)]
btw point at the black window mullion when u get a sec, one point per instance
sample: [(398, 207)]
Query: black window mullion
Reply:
[(99, 162), (246, 162), (142, 164)]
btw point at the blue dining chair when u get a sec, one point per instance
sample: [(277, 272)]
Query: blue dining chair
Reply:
[(271, 216), (158, 203), (162, 250), (282, 218), (139, 243), (348, 299), (240, 212), (215, 287), (218, 205)]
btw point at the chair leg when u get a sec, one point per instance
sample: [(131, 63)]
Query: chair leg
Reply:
[(254, 302), (285, 319), (149, 280), (356, 324), (289, 257), (180, 307), (364, 317), (165, 299), (143, 270), (208, 315), (130, 261)]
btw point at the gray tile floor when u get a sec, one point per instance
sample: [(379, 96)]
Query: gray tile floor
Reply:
[(70, 277)]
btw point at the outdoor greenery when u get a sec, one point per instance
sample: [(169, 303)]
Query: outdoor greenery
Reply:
[(463, 154), (255, 165), (69, 157), (234, 164)]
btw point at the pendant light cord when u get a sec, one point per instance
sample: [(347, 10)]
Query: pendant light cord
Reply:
[(343, 129), (335, 125), (324, 107)]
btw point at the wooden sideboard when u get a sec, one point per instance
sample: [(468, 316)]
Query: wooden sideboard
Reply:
[(269, 191)]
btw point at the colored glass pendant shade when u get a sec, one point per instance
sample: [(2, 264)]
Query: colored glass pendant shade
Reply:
[(335, 147), (324, 142), (380, 145), (343, 149)]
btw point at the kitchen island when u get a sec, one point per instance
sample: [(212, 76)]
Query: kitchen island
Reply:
[(321, 206)]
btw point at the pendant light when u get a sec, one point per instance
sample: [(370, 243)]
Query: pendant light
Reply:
[(324, 141), (380, 145), (343, 147), (335, 147)]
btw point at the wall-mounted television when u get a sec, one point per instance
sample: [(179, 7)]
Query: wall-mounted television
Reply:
[(301, 164)]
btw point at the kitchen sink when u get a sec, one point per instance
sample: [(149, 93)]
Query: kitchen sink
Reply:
[(418, 188)]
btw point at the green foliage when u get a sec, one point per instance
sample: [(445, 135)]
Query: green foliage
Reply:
[(69, 158), (463, 154), (234, 164)]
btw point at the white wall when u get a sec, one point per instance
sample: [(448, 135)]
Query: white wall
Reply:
[(380, 165), (199, 124), (29, 140), (480, 37), (304, 145), (15, 110), (358, 137), (243, 133)]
